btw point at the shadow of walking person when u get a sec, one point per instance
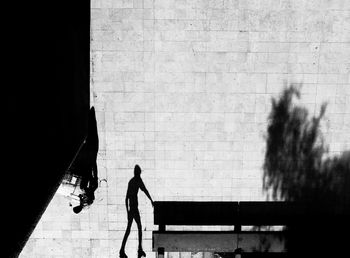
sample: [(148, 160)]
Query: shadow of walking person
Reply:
[(131, 203), (88, 165)]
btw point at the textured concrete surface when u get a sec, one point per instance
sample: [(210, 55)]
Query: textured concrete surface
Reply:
[(183, 88)]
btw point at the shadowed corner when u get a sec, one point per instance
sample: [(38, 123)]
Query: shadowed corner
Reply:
[(298, 168), (46, 107)]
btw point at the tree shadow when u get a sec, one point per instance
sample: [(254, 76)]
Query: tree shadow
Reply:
[(298, 168)]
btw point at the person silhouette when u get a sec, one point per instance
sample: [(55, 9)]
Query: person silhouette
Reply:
[(131, 203), (87, 164)]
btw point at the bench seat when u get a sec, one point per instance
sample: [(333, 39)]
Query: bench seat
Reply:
[(223, 241)]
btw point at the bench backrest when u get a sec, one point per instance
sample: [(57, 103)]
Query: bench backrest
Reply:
[(195, 213), (234, 213)]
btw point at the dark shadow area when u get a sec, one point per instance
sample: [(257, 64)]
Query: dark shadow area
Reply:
[(46, 57), (297, 168), (131, 203)]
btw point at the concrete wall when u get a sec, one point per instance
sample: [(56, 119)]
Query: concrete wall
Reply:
[(183, 88)]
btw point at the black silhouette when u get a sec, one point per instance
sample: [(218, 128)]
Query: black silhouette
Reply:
[(131, 203), (88, 165)]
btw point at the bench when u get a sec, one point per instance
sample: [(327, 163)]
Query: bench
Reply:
[(236, 214)]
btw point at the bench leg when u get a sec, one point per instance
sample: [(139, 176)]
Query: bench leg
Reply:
[(160, 252), (238, 253)]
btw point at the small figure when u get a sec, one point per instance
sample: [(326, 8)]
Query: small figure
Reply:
[(131, 203), (87, 165)]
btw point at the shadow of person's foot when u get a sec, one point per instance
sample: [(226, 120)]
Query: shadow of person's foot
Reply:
[(122, 254), (141, 253), (77, 209)]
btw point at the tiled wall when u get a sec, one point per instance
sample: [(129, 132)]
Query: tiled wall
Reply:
[(183, 88)]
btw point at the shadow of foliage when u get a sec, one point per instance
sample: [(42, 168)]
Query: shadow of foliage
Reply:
[(298, 168)]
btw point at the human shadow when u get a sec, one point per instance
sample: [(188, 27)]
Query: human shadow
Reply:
[(131, 203), (87, 164)]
